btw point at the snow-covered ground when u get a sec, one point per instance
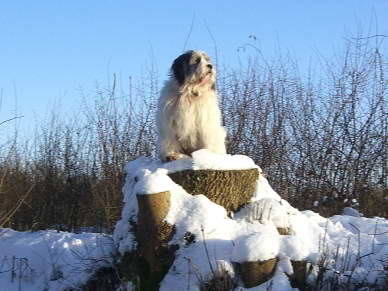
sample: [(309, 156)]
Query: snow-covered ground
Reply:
[(50, 260), (354, 247)]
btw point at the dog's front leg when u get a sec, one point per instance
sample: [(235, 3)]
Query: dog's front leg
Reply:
[(214, 140)]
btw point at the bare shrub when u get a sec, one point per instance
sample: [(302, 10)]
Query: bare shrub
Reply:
[(76, 164), (326, 137), (321, 135)]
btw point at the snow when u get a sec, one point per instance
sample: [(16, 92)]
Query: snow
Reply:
[(51, 260), (252, 233), (204, 159), (292, 246), (153, 182), (353, 245), (268, 210), (264, 190), (256, 247), (351, 212), (193, 213)]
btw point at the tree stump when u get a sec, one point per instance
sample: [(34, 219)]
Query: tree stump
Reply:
[(301, 272), (153, 235), (256, 273), (153, 256), (231, 189), (284, 230)]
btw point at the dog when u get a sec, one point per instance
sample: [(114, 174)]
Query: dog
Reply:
[(188, 116)]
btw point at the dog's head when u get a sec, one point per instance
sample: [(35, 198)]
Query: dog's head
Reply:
[(194, 68)]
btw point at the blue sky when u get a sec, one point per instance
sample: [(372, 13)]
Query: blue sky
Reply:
[(51, 49)]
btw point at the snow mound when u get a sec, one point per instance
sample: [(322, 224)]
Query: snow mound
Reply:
[(268, 210), (256, 247), (252, 234), (349, 211), (51, 260)]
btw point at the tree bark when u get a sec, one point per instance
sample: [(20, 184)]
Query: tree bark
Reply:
[(153, 235), (256, 273), (231, 189)]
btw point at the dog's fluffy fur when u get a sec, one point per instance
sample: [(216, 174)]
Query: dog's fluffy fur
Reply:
[(188, 117)]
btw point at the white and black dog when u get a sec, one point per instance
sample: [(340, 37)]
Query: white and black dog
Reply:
[(188, 117)]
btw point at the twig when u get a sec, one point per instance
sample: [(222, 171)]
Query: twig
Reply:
[(12, 212), (8, 120), (207, 251), (214, 42), (371, 36), (381, 233), (190, 31)]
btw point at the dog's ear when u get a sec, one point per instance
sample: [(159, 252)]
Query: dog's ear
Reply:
[(179, 67)]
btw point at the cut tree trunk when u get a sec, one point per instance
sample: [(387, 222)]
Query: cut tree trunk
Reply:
[(231, 189), (299, 278), (154, 255), (256, 273), (153, 235)]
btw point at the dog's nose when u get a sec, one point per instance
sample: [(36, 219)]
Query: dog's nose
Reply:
[(210, 66)]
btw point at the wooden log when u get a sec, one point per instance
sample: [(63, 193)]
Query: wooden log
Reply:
[(154, 255), (153, 235), (256, 273), (231, 189), (284, 230), (299, 278)]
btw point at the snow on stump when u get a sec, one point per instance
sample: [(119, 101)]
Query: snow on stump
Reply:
[(184, 204), (231, 189), (266, 240), (255, 257), (270, 210)]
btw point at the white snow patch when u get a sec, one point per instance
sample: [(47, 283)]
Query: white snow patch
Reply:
[(264, 190), (349, 211), (268, 210), (51, 260), (293, 247), (204, 159), (151, 183), (256, 247)]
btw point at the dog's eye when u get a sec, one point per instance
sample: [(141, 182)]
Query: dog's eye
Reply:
[(198, 60)]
